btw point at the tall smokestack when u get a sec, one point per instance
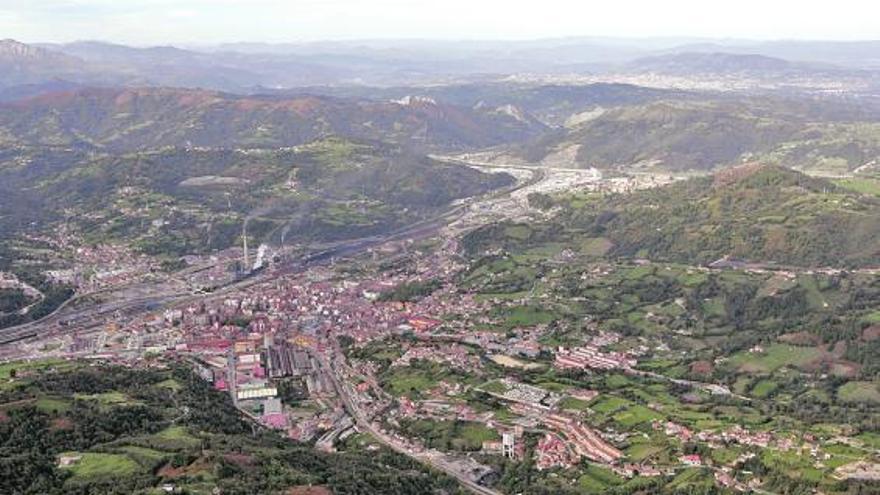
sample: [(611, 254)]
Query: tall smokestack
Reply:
[(247, 265)]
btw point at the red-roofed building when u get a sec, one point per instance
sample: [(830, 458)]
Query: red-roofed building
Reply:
[(275, 420), (423, 324)]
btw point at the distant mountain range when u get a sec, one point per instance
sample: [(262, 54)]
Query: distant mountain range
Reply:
[(245, 68), (22, 64), (724, 63)]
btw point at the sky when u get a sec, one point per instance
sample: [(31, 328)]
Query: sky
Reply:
[(153, 22)]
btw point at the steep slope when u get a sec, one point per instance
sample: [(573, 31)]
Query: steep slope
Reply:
[(127, 119), (757, 213)]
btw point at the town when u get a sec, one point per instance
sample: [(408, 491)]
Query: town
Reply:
[(389, 344)]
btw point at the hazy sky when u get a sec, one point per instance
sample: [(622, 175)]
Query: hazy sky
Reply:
[(211, 21)]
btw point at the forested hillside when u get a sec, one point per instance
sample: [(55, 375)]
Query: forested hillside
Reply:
[(702, 135), (133, 430), (762, 214), (178, 201)]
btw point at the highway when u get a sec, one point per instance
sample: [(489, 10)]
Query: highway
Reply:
[(364, 423)]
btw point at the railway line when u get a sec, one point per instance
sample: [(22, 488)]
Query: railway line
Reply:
[(67, 316)]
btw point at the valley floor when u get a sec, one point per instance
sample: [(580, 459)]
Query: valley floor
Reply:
[(550, 370)]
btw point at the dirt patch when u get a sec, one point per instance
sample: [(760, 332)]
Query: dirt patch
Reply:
[(861, 470), (871, 333), (845, 369), (200, 465), (702, 368), (751, 368), (212, 180), (309, 490), (241, 460), (800, 338), (817, 364), (170, 472), (61, 424)]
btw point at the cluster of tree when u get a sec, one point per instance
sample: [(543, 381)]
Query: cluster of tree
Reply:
[(13, 300), (31, 440), (410, 291)]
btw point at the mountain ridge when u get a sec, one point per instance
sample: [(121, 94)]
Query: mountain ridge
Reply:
[(139, 118)]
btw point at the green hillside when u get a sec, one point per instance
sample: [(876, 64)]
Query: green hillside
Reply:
[(756, 213), (185, 434), (177, 201), (704, 135)]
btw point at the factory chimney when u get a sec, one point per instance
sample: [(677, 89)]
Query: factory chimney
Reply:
[(247, 265)]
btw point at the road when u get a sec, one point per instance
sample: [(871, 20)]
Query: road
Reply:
[(157, 295), (363, 422)]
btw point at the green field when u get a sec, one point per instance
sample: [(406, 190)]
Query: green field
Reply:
[(172, 438), (97, 465), (872, 317), (148, 455), (520, 232), (610, 404), (476, 434), (595, 246), (22, 367), (495, 387), (862, 185), (865, 392), (52, 404), (106, 399), (450, 435), (641, 451), (574, 404), (409, 382), (764, 388), (694, 480), (774, 357), (598, 479), (636, 415), (526, 316)]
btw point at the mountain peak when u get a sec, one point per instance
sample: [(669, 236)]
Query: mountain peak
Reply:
[(16, 51), (12, 48)]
